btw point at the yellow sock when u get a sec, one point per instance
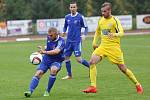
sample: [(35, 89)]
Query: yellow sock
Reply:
[(131, 77), (93, 74)]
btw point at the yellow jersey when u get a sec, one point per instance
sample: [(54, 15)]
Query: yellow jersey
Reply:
[(105, 26)]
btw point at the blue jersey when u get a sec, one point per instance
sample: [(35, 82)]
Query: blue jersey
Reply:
[(74, 23), (51, 45)]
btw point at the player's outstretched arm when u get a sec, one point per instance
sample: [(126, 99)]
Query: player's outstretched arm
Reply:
[(51, 52), (56, 51)]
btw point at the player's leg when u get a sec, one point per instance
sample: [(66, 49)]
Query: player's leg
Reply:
[(93, 73), (131, 76), (82, 61), (34, 83), (54, 69), (77, 53), (68, 53), (116, 56), (97, 56), (35, 79), (68, 68)]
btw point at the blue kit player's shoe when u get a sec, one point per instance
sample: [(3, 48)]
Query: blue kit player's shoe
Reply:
[(46, 94), (27, 94)]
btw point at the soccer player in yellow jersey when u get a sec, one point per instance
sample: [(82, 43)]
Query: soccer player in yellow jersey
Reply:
[(109, 30)]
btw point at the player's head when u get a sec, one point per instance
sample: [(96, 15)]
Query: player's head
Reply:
[(52, 33), (73, 7), (106, 9)]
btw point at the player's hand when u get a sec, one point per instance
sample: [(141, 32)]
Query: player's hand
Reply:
[(45, 47), (83, 37), (110, 35), (63, 34), (95, 46), (40, 49)]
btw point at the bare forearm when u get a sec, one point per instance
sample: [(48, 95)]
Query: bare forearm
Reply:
[(51, 52)]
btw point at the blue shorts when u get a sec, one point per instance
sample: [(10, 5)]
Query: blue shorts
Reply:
[(72, 47), (44, 66)]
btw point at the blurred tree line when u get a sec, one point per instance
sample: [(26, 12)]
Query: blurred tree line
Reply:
[(43, 9)]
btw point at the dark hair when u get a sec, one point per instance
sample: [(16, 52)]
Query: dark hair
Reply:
[(73, 2), (52, 29), (106, 4)]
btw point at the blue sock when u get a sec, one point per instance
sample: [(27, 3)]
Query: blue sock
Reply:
[(34, 83), (68, 67), (51, 81), (85, 63)]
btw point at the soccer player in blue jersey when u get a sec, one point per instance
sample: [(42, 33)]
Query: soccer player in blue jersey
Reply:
[(52, 60), (73, 24)]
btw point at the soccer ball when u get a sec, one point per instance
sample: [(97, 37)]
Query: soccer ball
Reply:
[(35, 58)]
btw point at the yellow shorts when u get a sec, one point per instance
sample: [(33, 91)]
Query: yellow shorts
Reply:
[(113, 53)]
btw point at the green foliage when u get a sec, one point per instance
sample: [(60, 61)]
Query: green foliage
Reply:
[(17, 9), (42, 9), (45, 9)]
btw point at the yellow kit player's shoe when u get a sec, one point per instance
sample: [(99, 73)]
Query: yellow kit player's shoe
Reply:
[(139, 89), (90, 89)]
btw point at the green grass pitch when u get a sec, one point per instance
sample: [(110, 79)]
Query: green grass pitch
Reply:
[(16, 72)]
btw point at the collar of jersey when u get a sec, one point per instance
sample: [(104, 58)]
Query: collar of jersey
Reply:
[(56, 39), (74, 15)]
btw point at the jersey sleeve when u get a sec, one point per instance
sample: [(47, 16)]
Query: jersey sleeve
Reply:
[(61, 44), (84, 24), (118, 28), (65, 25), (97, 35)]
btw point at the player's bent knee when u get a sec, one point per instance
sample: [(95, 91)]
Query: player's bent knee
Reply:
[(67, 58), (95, 59), (54, 70), (92, 62), (122, 67), (79, 59), (39, 73)]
